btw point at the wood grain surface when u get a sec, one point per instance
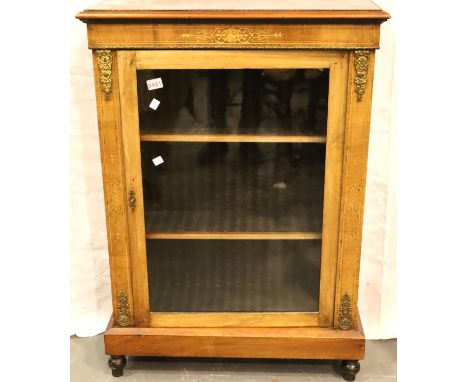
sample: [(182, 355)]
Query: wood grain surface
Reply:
[(300, 343), (161, 5), (353, 188), (238, 9), (113, 175), (232, 35)]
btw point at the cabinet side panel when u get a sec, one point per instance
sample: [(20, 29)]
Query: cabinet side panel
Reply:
[(361, 68), (110, 137)]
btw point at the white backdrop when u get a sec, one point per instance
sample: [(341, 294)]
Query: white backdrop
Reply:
[(90, 283)]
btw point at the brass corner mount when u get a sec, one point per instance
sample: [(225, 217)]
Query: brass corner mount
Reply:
[(123, 311), (345, 318), (361, 68), (104, 61)]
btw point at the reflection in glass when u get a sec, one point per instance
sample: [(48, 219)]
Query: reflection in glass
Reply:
[(228, 187), (248, 101), (216, 187), (234, 275)]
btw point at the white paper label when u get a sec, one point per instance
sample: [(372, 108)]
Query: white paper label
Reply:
[(279, 186), (154, 104), (158, 160), (155, 83)]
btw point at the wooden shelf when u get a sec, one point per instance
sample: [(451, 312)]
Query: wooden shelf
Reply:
[(232, 138), (237, 235)]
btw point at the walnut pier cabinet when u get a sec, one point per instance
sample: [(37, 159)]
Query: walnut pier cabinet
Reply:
[(234, 140)]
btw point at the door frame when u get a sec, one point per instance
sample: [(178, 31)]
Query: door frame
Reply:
[(128, 62)]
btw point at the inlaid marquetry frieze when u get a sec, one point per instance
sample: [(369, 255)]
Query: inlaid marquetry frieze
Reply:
[(231, 35)]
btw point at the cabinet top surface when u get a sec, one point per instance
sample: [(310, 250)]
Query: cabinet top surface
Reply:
[(240, 9)]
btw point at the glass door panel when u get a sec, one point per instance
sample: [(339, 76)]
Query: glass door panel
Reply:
[(248, 101), (233, 187), (233, 275), (233, 165)]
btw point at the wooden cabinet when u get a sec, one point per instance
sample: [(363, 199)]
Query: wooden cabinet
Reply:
[(234, 146)]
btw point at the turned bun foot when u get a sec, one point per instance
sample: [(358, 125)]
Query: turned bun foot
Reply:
[(350, 369), (117, 364)]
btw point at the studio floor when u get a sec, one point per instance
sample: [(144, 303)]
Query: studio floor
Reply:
[(89, 363)]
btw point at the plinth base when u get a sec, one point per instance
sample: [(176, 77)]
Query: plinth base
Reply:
[(286, 343)]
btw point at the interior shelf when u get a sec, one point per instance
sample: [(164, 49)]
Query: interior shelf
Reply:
[(237, 235), (232, 138)]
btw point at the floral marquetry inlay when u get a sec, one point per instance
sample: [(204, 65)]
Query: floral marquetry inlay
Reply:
[(114, 196), (115, 211), (230, 35)]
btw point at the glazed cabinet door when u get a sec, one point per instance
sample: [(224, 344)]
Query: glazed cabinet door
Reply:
[(233, 163)]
